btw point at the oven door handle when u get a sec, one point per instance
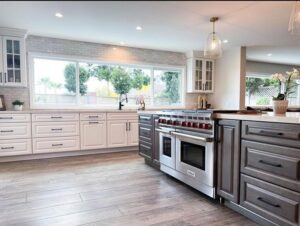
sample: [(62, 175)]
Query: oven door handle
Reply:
[(204, 139), (163, 131)]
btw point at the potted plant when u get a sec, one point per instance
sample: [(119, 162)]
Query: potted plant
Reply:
[(18, 105), (286, 85)]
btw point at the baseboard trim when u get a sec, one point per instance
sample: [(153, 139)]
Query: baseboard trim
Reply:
[(249, 214), (65, 154)]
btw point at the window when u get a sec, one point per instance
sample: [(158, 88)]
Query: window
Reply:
[(76, 83), (261, 89), (54, 82)]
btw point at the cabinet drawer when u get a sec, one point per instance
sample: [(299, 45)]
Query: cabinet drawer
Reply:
[(15, 147), (92, 116), (145, 149), (55, 117), (56, 144), (15, 130), (145, 119), (51, 129), (14, 117), (275, 203), (273, 133), (276, 164), (145, 132), (122, 116)]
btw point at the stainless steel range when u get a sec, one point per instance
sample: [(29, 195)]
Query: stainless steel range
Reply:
[(186, 146)]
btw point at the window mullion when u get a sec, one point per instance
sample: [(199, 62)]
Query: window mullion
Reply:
[(77, 84), (152, 87)]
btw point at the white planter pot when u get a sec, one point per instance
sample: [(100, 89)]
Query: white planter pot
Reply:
[(280, 106), (18, 107)]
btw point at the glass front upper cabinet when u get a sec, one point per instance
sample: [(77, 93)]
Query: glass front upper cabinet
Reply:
[(200, 75), (13, 62)]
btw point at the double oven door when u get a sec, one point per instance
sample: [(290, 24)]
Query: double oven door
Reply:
[(195, 157), (167, 148)]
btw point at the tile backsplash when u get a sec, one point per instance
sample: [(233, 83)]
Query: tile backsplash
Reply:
[(12, 93)]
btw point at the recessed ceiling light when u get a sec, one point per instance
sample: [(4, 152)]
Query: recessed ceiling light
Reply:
[(114, 48), (122, 43), (225, 41), (59, 15), (138, 28), (269, 54)]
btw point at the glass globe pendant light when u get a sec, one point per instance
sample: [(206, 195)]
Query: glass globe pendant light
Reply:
[(294, 24), (213, 47)]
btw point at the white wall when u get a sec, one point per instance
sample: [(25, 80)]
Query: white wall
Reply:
[(230, 80)]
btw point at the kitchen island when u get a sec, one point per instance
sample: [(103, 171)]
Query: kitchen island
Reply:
[(257, 162)]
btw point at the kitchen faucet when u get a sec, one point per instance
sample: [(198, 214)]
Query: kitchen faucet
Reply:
[(121, 100)]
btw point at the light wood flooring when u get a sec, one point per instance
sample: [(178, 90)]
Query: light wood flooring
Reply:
[(104, 189)]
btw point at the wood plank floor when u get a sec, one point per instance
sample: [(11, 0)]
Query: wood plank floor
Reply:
[(104, 189)]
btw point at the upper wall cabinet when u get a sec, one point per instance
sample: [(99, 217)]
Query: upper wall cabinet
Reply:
[(12, 57), (200, 75)]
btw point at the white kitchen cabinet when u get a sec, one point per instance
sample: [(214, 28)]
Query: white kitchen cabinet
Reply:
[(15, 147), (58, 117), (200, 75), (55, 144), (55, 129), (122, 133), (133, 133), (117, 133), (93, 134), (12, 62), (15, 130)]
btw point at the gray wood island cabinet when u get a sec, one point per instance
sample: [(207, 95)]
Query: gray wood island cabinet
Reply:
[(259, 169), (148, 139)]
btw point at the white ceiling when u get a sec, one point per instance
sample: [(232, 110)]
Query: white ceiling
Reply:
[(167, 25), (280, 54)]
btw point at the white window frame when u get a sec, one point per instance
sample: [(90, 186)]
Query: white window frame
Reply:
[(77, 60)]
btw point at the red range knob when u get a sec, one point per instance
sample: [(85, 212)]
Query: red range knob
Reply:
[(189, 124), (163, 121), (200, 125), (159, 120), (169, 122), (175, 123), (183, 124), (195, 125), (207, 126)]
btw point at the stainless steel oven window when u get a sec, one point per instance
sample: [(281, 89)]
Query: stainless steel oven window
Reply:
[(193, 154), (167, 146)]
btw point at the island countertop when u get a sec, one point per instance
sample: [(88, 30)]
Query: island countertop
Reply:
[(289, 117)]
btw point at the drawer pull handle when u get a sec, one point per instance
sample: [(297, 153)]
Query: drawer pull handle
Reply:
[(270, 163), (146, 147), (55, 117), (57, 129), (270, 133), (7, 131), (5, 148), (6, 117), (93, 116), (145, 117), (268, 202), (93, 122), (55, 145)]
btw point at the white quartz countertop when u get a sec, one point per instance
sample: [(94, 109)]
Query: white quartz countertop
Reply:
[(289, 117), (69, 111)]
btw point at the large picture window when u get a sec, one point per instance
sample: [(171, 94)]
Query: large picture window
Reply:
[(65, 83)]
